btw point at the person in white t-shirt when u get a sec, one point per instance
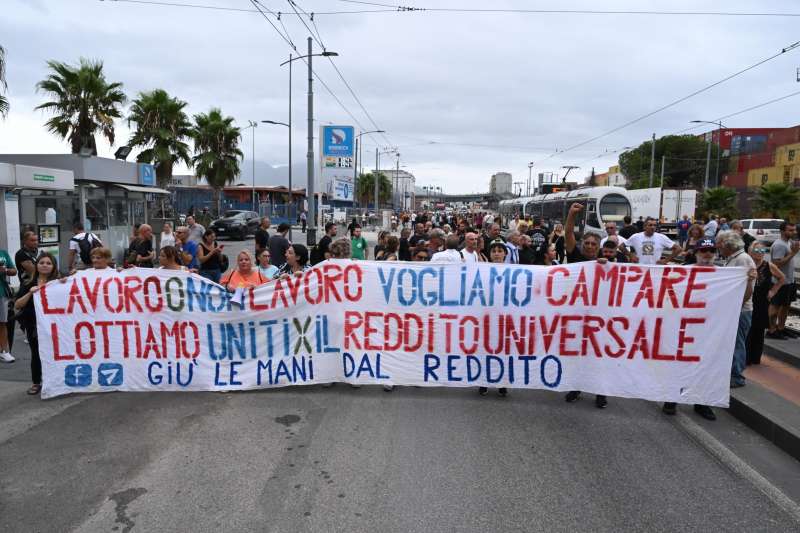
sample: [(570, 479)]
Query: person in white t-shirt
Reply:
[(648, 246), (451, 254), (79, 235), (470, 251), (611, 231)]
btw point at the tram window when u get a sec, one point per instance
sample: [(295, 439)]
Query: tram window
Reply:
[(613, 208)]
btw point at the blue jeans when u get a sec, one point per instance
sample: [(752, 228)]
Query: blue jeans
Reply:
[(212, 275), (740, 349)]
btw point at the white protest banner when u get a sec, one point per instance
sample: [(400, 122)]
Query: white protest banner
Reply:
[(654, 332)]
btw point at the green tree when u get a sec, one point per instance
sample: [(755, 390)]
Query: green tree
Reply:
[(719, 201), (216, 148), (365, 189), (3, 85), (685, 162), (778, 200), (162, 128), (83, 103)]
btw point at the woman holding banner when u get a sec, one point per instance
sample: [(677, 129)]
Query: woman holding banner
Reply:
[(246, 274), (46, 271), (497, 254)]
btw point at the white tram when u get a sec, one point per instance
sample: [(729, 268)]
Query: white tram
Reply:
[(601, 205)]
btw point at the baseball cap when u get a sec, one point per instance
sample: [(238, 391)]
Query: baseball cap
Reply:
[(705, 244)]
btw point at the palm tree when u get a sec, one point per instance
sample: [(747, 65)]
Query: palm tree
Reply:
[(778, 200), (83, 103), (365, 189), (216, 148), (720, 201), (3, 99), (161, 128)]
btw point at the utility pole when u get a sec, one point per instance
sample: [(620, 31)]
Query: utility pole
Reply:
[(708, 162), (291, 195), (397, 182), (310, 193), (375, 178), (355, 172), (663, 162), (530, 177), (652, 160)]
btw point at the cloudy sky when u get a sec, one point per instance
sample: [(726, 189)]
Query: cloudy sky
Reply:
[(461, 95)]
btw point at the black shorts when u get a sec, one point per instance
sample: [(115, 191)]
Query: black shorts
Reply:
[(786, 295)]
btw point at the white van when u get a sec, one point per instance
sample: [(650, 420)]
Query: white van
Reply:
[(763, 229)]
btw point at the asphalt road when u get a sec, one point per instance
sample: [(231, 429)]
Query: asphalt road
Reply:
[(345, 459)]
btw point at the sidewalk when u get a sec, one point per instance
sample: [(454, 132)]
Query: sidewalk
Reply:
[(770, 403)]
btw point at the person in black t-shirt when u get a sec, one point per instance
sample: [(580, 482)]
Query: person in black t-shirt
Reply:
[(419, 235), (143, 247), (262, 236), (322, 252), (539, 242), (590, 242), (628, 229), (611, 253), (588, 250), (404, 252)]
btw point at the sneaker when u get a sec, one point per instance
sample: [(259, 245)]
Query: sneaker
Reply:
[(669, 408), (502, 391), (388, 388), (600, 401), (705, 411), (6, 357), (483, 391), (572, 396)]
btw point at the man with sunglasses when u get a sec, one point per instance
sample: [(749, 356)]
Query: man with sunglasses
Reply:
[(706, 252)]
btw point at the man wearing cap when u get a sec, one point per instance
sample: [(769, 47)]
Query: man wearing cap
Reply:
[(706, 251)]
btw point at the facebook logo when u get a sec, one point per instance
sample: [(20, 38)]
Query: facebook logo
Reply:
[(109, 375), (78, 375)]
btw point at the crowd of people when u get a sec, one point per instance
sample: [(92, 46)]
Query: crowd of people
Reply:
[(439, 238)]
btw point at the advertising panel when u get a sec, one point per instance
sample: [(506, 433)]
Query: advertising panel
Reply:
[(338, 141)]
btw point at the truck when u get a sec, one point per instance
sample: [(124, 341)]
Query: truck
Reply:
[(665, 205)]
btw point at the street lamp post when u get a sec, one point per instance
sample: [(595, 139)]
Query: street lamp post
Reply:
[(359, 151), (377, 181), (289, 125), (312, 209), (530, 178), (708, 152)]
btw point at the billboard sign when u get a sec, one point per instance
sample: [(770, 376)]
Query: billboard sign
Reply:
[(338, 141), (343, 189), (147, 174)]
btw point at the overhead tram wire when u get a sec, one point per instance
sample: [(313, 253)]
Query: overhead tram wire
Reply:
[(395, 9), (295, 6), (678, 101), (304, 60), (719, 119)]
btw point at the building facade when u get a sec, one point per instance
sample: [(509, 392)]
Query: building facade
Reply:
[(501, 184), (403, 188)]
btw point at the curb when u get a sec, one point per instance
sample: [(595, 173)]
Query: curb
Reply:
[(782, 355), (769, 415)]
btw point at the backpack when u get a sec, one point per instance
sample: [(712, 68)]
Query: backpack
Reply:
[(85, 246)]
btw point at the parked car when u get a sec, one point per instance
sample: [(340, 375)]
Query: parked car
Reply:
[(763, 229), (236, 224)]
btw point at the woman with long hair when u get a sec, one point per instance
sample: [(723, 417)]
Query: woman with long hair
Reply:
[(390, 253), (46, 271), (696, 235), (209, 254), (557, 239), (170, 259)]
